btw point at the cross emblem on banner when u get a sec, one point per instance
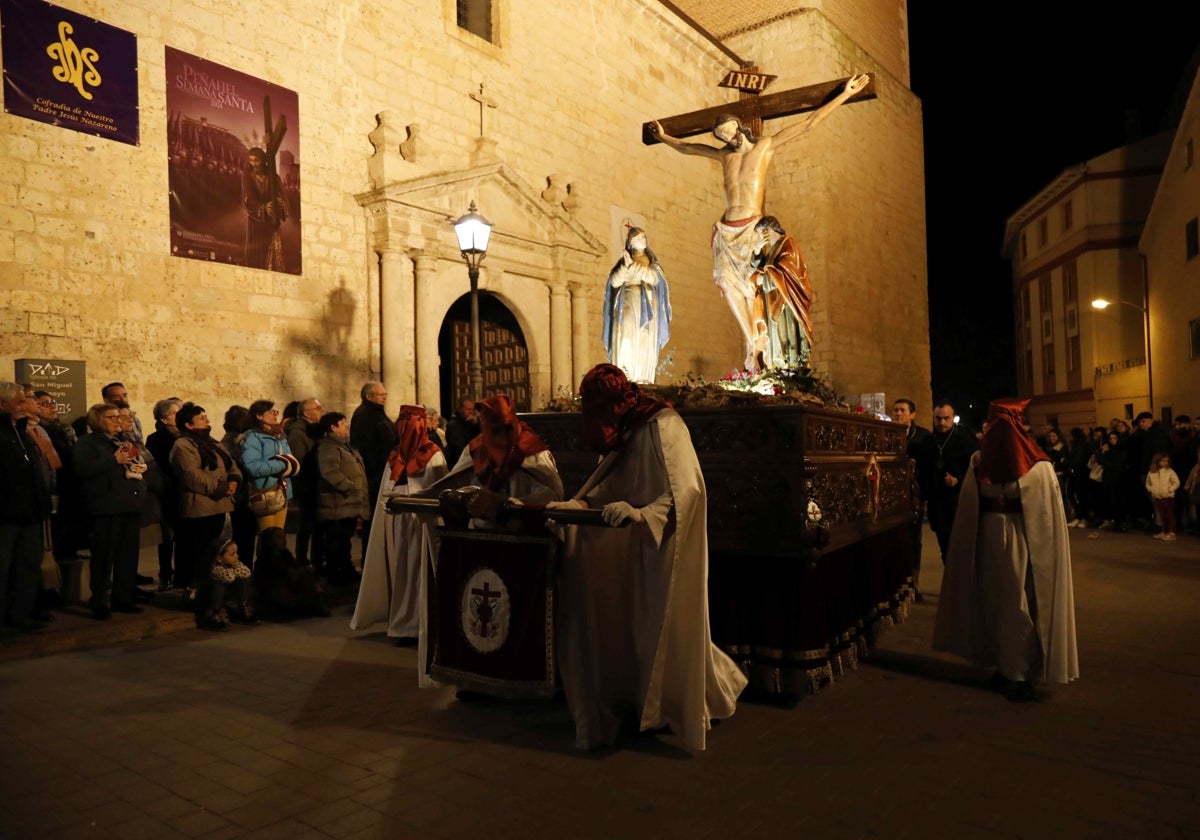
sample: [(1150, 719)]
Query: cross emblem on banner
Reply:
[(483, 611)]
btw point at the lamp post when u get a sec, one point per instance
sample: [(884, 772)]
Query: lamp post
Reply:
[(473, 232), (1102, 304)]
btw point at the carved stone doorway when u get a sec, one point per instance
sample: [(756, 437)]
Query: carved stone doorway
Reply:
[(502, 350)]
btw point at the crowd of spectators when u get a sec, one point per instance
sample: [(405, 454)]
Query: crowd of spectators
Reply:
[(1119, 477), (83, 492)]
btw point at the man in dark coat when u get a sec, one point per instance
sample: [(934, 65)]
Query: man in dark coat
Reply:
[(942, 460), (1147, 440), (302, 436), (461, 429), (24, 505), (373, 434), (114, 494), (904, 412)]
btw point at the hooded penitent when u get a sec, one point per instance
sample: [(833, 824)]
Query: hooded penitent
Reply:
[(503, 442), (1006, 452), (414, 449), (612, 407)]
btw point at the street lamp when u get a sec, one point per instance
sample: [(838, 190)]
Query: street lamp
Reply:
[(473, 232), (1102, 304)]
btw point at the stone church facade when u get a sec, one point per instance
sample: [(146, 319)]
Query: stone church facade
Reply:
[(396, 143)]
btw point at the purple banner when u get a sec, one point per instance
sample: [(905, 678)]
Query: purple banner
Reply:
[(69, 70), (233, 144)]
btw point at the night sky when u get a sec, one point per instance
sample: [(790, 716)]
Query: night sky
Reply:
[(1008, 105)]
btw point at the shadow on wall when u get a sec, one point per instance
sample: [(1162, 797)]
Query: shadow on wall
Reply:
[(327, 348)]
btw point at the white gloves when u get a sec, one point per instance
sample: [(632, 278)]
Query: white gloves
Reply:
[(568, 504), (616, 513)]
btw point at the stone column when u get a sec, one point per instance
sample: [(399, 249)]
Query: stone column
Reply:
[(396, 328), (560, 338), (581, 356), (429, 323)]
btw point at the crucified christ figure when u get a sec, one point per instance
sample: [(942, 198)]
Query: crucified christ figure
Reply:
[(744, 162)]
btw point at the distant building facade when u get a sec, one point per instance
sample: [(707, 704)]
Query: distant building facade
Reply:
[(1074, 242), (1170, 243)]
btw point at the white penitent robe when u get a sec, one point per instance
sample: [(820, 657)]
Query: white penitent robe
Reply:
[(1007, 599), (390, 590), (633, 632)]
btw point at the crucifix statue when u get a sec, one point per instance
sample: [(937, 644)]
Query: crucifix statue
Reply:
[(745, 159)]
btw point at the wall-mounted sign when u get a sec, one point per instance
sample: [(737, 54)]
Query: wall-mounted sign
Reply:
[(746, 81), (63, 379), (69, 70), (234, 166)]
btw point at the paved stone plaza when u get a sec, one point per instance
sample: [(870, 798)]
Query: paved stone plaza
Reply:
[(307, 730)]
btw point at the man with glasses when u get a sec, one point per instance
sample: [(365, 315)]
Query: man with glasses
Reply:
[(942, 462), (114, 495), (115, 393)]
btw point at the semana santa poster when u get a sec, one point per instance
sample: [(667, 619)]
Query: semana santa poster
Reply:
[(233, 146), (69, 70)]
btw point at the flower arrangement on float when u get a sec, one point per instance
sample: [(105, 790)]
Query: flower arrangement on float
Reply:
[(781, 386)]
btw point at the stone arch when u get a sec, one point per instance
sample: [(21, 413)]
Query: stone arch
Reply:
[(502, 334), (538, 264)]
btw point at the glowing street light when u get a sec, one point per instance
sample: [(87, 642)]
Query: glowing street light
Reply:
[(473, 232)]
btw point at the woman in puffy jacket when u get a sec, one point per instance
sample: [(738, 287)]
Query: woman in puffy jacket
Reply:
[(268, 460), (341, 494), (207, 476)]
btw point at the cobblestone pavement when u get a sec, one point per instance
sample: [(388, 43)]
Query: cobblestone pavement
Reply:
[(309, 730)]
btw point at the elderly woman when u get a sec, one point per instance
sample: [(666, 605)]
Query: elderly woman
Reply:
[(269, 464), (113, 496), (207, 476)]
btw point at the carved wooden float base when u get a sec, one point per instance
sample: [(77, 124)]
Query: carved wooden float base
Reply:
[(793, 601)]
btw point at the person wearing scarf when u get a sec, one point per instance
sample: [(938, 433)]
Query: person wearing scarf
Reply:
[(634, 646), (1007, 599), (392, 587), (207, 477), (267, 458)]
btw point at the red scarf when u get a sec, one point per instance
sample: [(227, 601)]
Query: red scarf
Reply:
[(503, 442), (275, 430), (612, 407), (412, 453), (1006, 452)]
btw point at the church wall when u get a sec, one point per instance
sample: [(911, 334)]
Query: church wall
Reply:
[(84, 223), (879, 26)]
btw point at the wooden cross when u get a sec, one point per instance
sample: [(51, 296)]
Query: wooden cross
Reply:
[(767, 107), (484, 102), (749, 83)]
